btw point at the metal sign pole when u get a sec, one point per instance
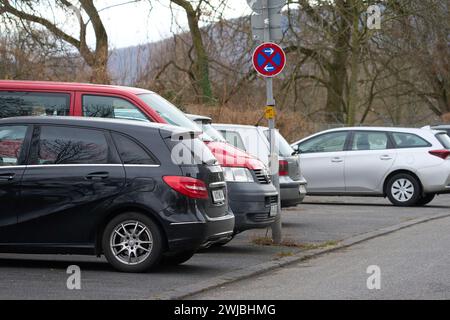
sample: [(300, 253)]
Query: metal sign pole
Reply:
[(273, 160)]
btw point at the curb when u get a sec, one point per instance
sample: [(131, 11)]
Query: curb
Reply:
[(241, 274)]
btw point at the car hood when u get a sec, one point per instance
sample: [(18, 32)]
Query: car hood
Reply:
[(230, 156)]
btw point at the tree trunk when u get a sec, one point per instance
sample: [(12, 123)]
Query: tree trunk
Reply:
[(335, 106), (353, 98), (201, 63)]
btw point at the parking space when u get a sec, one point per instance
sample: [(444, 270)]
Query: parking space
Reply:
[(316, 221)]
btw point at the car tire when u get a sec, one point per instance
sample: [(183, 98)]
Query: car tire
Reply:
[(425, 199), (174, 259), (132, 242), (403, 190)]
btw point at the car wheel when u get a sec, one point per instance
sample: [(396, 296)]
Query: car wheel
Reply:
[(173, 259), (132, 242), (426, 199), (403, 190)]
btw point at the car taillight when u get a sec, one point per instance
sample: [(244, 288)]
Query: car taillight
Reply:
[(443, 154), (284, 168), (190, 187)]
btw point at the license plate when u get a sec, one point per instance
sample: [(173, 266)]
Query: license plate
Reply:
[(273, 210), (218, 196)]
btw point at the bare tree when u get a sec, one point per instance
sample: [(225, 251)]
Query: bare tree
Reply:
[(195, 9), (31, 13)]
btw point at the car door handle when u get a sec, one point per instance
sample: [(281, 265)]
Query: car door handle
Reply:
[(97, 176), (337, 160), (386, 157), (7, 176)]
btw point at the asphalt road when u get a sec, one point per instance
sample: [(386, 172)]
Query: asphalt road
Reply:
[(414, 263), (317, 220)]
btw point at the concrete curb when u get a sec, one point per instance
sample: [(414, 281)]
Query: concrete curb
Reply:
[(240, 274)]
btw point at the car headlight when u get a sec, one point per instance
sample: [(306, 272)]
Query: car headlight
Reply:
[(238, 174)]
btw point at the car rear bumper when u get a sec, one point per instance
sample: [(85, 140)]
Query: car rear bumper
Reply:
[(292, 192), (195, 234), (251, 203), (435, 179)]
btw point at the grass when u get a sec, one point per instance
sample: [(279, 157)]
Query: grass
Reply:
[(289, 243), (284, 254)]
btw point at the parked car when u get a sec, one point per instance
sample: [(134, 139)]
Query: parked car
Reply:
[(107, 187), (251, 181), (250, 193), (409, 166), (441, 127), (255, 140)]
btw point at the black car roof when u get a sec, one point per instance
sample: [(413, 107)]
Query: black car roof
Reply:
[(99, 123)]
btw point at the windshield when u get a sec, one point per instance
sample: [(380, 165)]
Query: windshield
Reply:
[(285, 149), (212, 132), (168, 111)]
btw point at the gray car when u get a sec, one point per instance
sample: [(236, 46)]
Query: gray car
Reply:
[(255, 141), (409, 166)]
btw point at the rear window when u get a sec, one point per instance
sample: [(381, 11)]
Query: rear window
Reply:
[(444, 139), (186, 150), (130, 152), (18, 104), (409, 140)]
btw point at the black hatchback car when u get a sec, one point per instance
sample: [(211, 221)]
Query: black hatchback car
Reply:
[(112, 187)]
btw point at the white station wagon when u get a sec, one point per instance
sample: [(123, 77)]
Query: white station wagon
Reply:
[(409, 166)]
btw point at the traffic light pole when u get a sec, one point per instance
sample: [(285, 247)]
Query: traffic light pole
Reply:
[(273, 157)]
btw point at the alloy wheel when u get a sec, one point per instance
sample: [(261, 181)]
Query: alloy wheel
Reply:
[(131, 242)]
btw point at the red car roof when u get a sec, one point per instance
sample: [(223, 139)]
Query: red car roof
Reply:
[(49, 85)]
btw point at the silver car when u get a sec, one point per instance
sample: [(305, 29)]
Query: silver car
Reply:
[(255, 140), (409, 166)]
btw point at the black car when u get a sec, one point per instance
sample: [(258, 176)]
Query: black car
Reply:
[(112, 187)]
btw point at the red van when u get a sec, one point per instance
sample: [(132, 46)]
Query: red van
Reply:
[(248, 181)]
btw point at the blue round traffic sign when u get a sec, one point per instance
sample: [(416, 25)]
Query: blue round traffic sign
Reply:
[(269, 59)]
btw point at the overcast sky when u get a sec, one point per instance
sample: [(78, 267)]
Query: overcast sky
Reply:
[(134, 24)]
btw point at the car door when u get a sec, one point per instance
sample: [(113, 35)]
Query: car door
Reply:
[(13, 151), (72, 173), (322, 160), (368, 160)]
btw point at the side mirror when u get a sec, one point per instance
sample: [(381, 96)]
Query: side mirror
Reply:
[(296, 150)]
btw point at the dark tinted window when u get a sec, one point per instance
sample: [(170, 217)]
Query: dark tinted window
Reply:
[(130, 152), (370, 141), (68, 145), (409, 140), (444, 139), (111, 107), (11, 141), (17, 104), (327, 142)]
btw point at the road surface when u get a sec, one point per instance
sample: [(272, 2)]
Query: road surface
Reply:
[(414, 264)]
